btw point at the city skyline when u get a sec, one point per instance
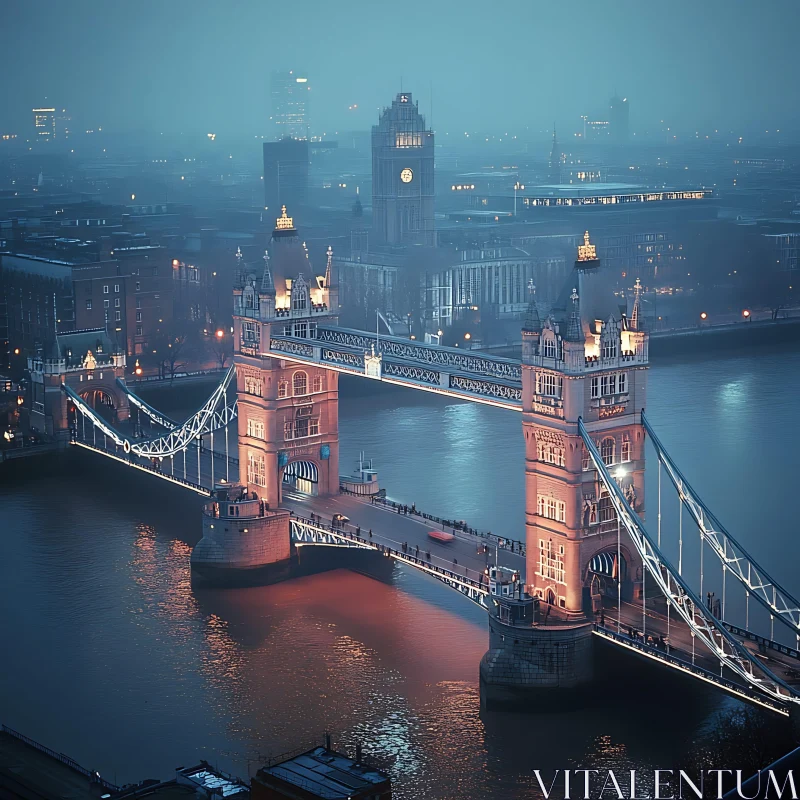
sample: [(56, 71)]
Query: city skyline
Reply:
[(167, 82)]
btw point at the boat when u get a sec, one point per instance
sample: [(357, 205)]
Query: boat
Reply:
[(441, 536), (363, 481)]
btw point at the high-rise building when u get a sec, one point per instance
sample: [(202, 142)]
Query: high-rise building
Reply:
[(402, 175), (44, 124), (285, 173), (290, 95), (554, 166), (618, 119)]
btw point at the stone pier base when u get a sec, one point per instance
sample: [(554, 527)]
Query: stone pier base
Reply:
[(541, 666)]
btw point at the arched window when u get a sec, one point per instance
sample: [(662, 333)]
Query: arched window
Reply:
[(317, 384), (299, 383), (283, 388), (607, 451)]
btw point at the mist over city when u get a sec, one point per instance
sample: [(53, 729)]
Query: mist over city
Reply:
[(398, 401)]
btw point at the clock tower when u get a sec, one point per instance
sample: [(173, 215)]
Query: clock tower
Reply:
[(402, 175)]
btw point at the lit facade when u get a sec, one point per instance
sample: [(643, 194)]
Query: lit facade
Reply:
[(288, 413), (290, 93), (585, 361), (44, 124), (402, 175)]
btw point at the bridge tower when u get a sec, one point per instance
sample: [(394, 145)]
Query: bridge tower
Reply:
[(89, 363), (288, 412), (588, 359)]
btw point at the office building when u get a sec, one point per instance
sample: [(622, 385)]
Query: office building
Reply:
[(290, 92), (618, 119), (285, 174), (44, 124)]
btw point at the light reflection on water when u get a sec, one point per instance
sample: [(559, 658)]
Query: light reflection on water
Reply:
[(121, 663)]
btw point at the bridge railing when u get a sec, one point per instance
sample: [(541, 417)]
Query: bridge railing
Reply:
[(654, 651), (702, 623), (512, 545), (425, 562), (66, 760)]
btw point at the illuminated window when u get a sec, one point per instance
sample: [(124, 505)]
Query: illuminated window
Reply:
[(606, 508), (548, 384), (255, 428), (551, 562), (550, 508), (551, 453), (625, 452), (252, 385), (256, 470), (549, 347), (299, 383), (609, 347), (607, 450)]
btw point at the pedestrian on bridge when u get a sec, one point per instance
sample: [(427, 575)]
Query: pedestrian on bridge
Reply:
[(358, 531), (370, 533)]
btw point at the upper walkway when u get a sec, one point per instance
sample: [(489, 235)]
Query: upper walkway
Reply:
[(443, 370)]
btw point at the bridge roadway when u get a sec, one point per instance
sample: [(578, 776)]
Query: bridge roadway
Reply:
[(393, 529)]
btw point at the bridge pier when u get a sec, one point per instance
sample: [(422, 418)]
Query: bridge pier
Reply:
[(531, 665), (243, 542)]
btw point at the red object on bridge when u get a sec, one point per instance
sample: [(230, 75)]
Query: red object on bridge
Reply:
[(441, 536)]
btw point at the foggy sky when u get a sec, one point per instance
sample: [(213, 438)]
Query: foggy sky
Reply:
[(193, 67)]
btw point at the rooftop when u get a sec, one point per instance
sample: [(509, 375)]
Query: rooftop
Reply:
[(325, 773)]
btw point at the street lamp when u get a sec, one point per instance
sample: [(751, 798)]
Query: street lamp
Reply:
[(746, 314), (220, 333), (703, 315), (467, 335)]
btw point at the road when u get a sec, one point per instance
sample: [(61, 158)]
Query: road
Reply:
[(393, 529)]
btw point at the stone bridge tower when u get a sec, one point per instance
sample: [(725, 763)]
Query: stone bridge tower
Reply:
[(288, 411), (587, 360), (90, 364)]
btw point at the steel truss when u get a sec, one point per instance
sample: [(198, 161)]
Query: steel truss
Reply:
[(735, 559), (702, 623), (214, 414), (305, 532), (409, 350)]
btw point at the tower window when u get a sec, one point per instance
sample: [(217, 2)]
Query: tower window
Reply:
[(299, 383), (607, 450), (283, 388)]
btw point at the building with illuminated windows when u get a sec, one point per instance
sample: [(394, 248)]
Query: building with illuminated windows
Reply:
[(402, 176), (619, 112), (290, 93), (44, 124), (285, 174)]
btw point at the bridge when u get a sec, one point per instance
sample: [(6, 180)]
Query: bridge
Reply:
[(683, 591)]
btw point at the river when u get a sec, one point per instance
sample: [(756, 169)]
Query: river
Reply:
[(111, 656)]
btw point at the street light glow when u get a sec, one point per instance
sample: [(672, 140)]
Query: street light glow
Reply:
[(746, 313), (703, 315), (220, 333)]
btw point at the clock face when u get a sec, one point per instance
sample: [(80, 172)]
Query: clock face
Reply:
[(406, 175)]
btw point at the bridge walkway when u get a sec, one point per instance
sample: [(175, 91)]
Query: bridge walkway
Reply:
[(393, 529), (679, 638)]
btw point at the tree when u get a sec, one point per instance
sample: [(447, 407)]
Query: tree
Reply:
[(221, 347), (174, 345)]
